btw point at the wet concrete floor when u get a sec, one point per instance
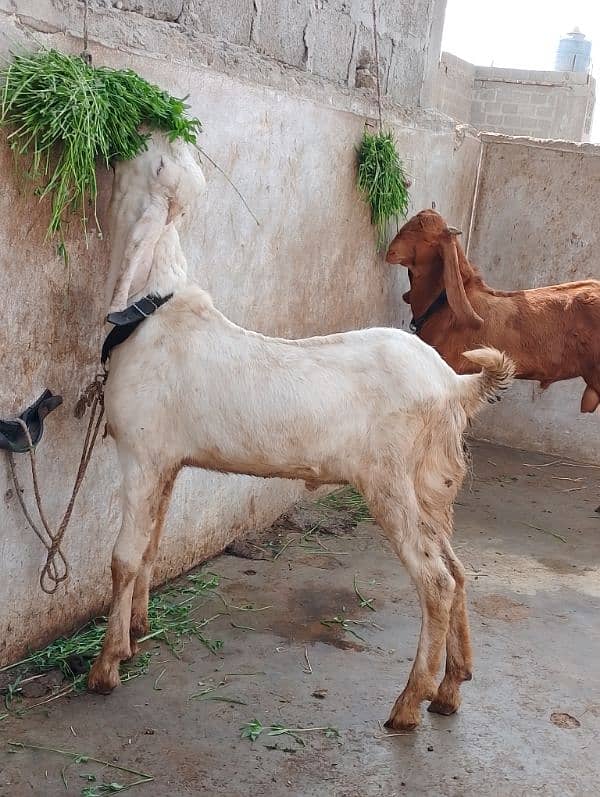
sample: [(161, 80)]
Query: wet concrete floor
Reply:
[(530, 721)]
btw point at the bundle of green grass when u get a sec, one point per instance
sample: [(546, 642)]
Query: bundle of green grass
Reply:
[(67, 116), (382, 181)]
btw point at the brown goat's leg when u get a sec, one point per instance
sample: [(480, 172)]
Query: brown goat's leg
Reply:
[(141, 592), (423, 559), (140, 504), (459, 660)]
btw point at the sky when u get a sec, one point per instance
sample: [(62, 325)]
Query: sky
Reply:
[(522, 34)]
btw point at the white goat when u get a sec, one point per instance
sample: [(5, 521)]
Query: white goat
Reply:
[(375, 408)]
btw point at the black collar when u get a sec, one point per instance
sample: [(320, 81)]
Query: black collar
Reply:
[(416, 324), (125, 321)]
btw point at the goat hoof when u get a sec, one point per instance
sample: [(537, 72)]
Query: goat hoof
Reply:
[(394, 724), (440, 707), (102, 678), (404, 717)]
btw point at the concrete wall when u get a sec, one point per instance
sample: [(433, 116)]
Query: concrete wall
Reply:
[(327, 38), (287, 138), (515, 101), (535, 224)]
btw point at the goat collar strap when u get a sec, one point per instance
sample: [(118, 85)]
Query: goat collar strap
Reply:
[(416, 324), (125, 321)]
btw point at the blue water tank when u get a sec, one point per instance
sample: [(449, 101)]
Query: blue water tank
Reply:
[(574, 53)]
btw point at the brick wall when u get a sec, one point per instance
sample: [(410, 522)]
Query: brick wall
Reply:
[(532, 103), (556, 105), (454, 89)]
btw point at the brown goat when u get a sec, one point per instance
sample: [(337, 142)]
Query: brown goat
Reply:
[(551, 333)]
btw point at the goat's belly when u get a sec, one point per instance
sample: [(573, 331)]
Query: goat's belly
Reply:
[(547, 376), (254, 466)]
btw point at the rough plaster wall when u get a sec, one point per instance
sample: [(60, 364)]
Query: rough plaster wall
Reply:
[(330, 38), (287, 140), (437, 16), (532, 103), (536, 224)]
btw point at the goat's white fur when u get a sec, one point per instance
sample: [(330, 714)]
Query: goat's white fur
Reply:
[(375, 408)]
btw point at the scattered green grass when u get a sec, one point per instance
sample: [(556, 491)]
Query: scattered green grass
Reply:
[(157, 680), (309, 541), (83, 758), (67, 116), (253, 729), (382, 181), (242, 627), (345, 624), (209, 693), (347, 499), (171, 617), (364, 603), (225, 699), (174, 624), (247, 607)]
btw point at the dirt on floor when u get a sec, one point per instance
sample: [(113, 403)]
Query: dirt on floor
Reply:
[(319, 625)]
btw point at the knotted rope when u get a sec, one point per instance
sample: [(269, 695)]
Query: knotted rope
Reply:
[(56, 568)]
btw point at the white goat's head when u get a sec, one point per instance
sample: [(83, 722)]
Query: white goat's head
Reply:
[(152, 195)]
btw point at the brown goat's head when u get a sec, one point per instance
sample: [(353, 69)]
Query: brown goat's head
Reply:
[(429, 249)]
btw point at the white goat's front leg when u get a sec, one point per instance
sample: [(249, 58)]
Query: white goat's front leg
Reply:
[(140, 508), (396, 510), (141, 591)]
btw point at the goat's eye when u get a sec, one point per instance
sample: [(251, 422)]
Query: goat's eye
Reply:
[(160, 168)]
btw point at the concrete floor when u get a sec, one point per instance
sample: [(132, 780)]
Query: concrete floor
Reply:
[(534, 603)]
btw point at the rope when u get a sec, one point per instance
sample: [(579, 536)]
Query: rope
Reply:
[(85, 54), (377, 67), (54, 572)]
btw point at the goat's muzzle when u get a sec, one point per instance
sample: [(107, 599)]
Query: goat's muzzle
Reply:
[(394, 258)]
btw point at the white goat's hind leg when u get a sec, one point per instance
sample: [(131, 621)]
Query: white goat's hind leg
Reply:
[(141, 591), (459, 659), (397, 513), (140, 503)]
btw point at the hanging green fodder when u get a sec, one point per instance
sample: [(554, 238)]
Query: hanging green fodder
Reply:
[(67, 116), (382, 181)]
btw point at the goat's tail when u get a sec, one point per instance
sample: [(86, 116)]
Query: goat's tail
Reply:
[(497, 373)]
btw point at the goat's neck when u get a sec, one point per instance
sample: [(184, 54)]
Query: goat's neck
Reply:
[(423, 296), (168, 270), (471, 275)]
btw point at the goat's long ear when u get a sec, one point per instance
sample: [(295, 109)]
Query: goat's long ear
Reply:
[(455, 290), (139, 250)]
